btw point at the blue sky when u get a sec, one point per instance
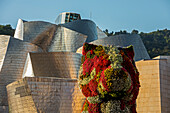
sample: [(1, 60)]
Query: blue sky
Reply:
[(114, 15)]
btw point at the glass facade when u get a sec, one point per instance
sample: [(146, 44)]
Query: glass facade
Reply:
[(67, 17)]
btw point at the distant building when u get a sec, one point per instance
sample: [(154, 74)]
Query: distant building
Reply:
[(154, 93)]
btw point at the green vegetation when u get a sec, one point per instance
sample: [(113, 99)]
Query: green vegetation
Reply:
[(156, 42), (6, 30)]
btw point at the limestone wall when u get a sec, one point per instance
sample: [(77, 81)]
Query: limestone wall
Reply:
[(50, 95), (149, 100), (19, 98)]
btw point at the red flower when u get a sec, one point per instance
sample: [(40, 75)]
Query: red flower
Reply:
[(93, 87), (87, 66), (94, 108), (86, 90), (103, 81), (122, 106)]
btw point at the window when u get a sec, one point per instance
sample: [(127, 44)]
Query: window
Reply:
[(75, 18), (70, 20), (71, 15), (67, 15)]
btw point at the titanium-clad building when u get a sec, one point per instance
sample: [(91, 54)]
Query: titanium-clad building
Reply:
[(39, 65)]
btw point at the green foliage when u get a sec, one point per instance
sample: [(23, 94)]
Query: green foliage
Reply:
[(116, 33), (107, 32), (134, 31), (99, 51), (121, 32), (82, 59), (89, 55), (6, 30), (157, 42)]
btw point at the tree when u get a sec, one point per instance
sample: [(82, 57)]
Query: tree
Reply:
[(134, 31), (107, 32), (157, 42), (6, 30)]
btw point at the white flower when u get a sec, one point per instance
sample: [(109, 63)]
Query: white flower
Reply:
[(113, 106), (88, 79), (94, 99)]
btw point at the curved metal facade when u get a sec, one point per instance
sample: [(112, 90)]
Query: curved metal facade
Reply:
[(53, 38), (86, 27), (125, 40), (4, 41), (100, 33), (19, 30), (54, 64), (65, 39), (51, 51), (33, 29), (13, 64)]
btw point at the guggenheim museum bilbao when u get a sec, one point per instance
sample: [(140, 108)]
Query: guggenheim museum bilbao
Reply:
[(39, 67)]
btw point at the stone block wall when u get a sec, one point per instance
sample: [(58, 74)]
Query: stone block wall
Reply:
[(149, 98), (49, 95), (19, 98), (154, 93)]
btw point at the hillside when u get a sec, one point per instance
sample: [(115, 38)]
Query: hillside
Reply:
[(157, 42)]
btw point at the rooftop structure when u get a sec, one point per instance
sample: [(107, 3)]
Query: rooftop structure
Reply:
[(66, 17)]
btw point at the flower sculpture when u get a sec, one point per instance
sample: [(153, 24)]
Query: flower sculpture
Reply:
[(109, 80)]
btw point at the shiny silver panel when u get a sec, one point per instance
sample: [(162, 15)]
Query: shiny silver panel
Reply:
[(19, 30), (4, 41), (100, 33), (86, 27), (66, 40), (125, 40), (33, 29), (56, 64), (13, 64)]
